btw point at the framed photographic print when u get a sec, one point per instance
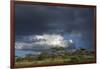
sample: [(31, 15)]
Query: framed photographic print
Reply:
[(49, 34)]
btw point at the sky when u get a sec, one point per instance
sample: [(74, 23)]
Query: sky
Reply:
[(43, 27)]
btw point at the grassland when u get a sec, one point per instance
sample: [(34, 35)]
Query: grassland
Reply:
[(63, 58)]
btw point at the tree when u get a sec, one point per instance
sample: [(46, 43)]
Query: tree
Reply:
[(58, 48), (18, 59), (82, 51)]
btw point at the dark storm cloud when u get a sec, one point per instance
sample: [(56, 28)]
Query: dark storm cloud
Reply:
[(39, 19)]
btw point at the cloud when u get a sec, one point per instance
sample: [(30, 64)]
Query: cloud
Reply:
[(51, 40), (73, 23), (44, 41), (39, 19)]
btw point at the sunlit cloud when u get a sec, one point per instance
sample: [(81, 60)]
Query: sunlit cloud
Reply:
[(44, 41)]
